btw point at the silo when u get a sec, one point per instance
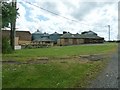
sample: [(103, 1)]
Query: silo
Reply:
[(37, 35), (55, 36)]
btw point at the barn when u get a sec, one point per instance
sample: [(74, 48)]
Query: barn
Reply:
[(83, 38), (70, 39), (21, 37), (91, 37)]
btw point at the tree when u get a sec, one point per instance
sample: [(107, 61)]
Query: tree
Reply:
[(6, 48), (9, 15)]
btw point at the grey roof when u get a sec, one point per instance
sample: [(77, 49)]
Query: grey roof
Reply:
[(43, 39), (69, 35), (89, 33), (45, 34), (55, 33), (89, 36), (37, 32)]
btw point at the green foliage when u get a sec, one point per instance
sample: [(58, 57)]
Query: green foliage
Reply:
[(6, 48), (8, 13)]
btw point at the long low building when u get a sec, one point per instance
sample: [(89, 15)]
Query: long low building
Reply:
[(83, 38)]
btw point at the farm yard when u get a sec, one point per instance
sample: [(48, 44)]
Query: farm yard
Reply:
[(55, 67)]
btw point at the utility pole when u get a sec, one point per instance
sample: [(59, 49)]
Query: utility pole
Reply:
[(13, 25), (108, 32)]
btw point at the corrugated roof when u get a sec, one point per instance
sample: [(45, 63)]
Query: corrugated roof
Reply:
[(43, 39), (23, 35), (55, 33), (37, 32), (46, 34), (89, 32), (89, 36), (69, 35)]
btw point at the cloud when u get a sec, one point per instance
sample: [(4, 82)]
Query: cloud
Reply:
[(85, 8), (51, 6), (92, 15)]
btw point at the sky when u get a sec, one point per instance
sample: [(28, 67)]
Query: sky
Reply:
[(82, 16)]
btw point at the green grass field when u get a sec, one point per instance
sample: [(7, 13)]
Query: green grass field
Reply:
[(57, 52), (56, 73)]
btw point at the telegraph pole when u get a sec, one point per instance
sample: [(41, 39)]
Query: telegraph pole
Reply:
[(13, 25), (108, 32)]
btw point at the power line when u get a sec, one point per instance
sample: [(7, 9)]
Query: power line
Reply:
[(77, 21), (47, 10)]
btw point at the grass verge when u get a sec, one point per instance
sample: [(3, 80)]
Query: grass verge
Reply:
[(56, 73)]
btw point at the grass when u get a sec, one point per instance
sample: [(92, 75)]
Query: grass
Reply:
[(54, 74), (57, 52)]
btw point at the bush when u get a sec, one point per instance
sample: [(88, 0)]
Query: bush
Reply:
[(28, 46), (6, 48)]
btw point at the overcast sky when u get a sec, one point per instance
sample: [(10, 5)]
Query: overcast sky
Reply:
[(92, 15)]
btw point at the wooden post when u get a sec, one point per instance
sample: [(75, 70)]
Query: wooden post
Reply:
[(13, 26)]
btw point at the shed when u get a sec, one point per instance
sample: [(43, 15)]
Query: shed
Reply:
[(21, 37), (43, 41), (55, 36)]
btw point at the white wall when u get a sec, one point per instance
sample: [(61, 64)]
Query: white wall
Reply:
[(17, 47)]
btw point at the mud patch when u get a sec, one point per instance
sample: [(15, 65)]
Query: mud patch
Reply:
[(11, 62), (39, 60), (94, 57), (44, 60)]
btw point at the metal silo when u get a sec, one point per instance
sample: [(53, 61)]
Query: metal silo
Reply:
[(37, 35), (55, 36)]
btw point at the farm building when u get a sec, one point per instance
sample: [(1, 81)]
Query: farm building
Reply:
[(44, 39), (91, 37), (36, 35), (55, 36), (43, 42), (70, 39), (51, 38), (21, 38), (40, 39), (83, 38)]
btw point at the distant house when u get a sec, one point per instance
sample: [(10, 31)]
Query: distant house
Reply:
[(83, 38), (21, 37)]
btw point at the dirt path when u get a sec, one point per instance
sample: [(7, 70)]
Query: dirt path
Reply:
[(109, 77)]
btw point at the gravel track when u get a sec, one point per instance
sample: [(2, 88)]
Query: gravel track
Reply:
[(109, 76)]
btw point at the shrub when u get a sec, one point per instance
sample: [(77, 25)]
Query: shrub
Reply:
[(28, 46), (6, 48)]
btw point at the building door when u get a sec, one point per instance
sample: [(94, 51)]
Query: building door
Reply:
[(75, 41)]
